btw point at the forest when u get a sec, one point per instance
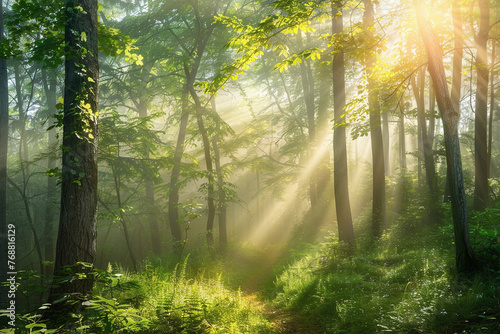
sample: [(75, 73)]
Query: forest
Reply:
[(238, 166)]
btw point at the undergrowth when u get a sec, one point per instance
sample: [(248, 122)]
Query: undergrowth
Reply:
[(403, 283)]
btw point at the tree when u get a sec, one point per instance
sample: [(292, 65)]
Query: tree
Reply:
[(340, 175), (481, 192), (463, 252), (378, 209), (76, 240)]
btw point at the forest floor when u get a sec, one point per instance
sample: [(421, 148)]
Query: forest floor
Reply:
[(285, 321)]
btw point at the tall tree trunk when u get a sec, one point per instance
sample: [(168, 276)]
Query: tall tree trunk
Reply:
[(50, 86), (221, 205), (386, 141), (323, 177), (76, 240), (340, 171), (173, 196), (150, 194), (402, 141), (425, 148), (308, 91), (456, 84), (128, 241), (4, 137), (208, 157), (481, 192), (463, 252), (378, 209), (492, 106)]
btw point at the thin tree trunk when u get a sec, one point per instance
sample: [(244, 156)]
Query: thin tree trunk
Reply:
[(173, 197), (492, 106), (128, 240), (208, 158), (221, 205), (402, 141), (378, 209), (76, 240), (340, 171), (463, 252), (456, 84), (481, 192), (50, 86), (150, 194), (308, 91), (386, 141)]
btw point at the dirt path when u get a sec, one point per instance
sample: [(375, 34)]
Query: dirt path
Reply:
[(286, 321)]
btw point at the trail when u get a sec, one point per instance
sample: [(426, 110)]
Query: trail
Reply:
[(285, 321)]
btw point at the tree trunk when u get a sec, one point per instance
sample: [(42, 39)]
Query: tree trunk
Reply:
[(4, 137), (402, 141), (456, 84), (208, 158), (386, 141), (76, 240), (340, 171), (150, 194), (50, 86), (481, 192), (425, 147), (221, 205), (378, 209), (464, 258), (492, 107), (173, 196), (308, 91)]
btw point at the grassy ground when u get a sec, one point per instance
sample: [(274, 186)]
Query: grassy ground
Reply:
[(402, 283)]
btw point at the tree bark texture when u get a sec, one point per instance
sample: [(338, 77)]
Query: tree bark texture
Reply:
[(481, 192), (173, 196), (340, 170), (463, 253), (492, 106), (76, 240), (50, 86), (378, 209), (150, 194), (221, 193)]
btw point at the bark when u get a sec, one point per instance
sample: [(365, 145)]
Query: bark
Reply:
[(386, 141), (340, 171), (402, 141), (492, 106), (128, 241), (76, 240), (221, 205), (4, 137), (209, 164), (150, 194), (173, 197), (456, 84), (481, 114), (378, 209), (463, 253), (425, 144), (50, 86), (308, 91)]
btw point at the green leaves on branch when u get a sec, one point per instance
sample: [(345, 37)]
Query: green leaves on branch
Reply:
[(289, 17)]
